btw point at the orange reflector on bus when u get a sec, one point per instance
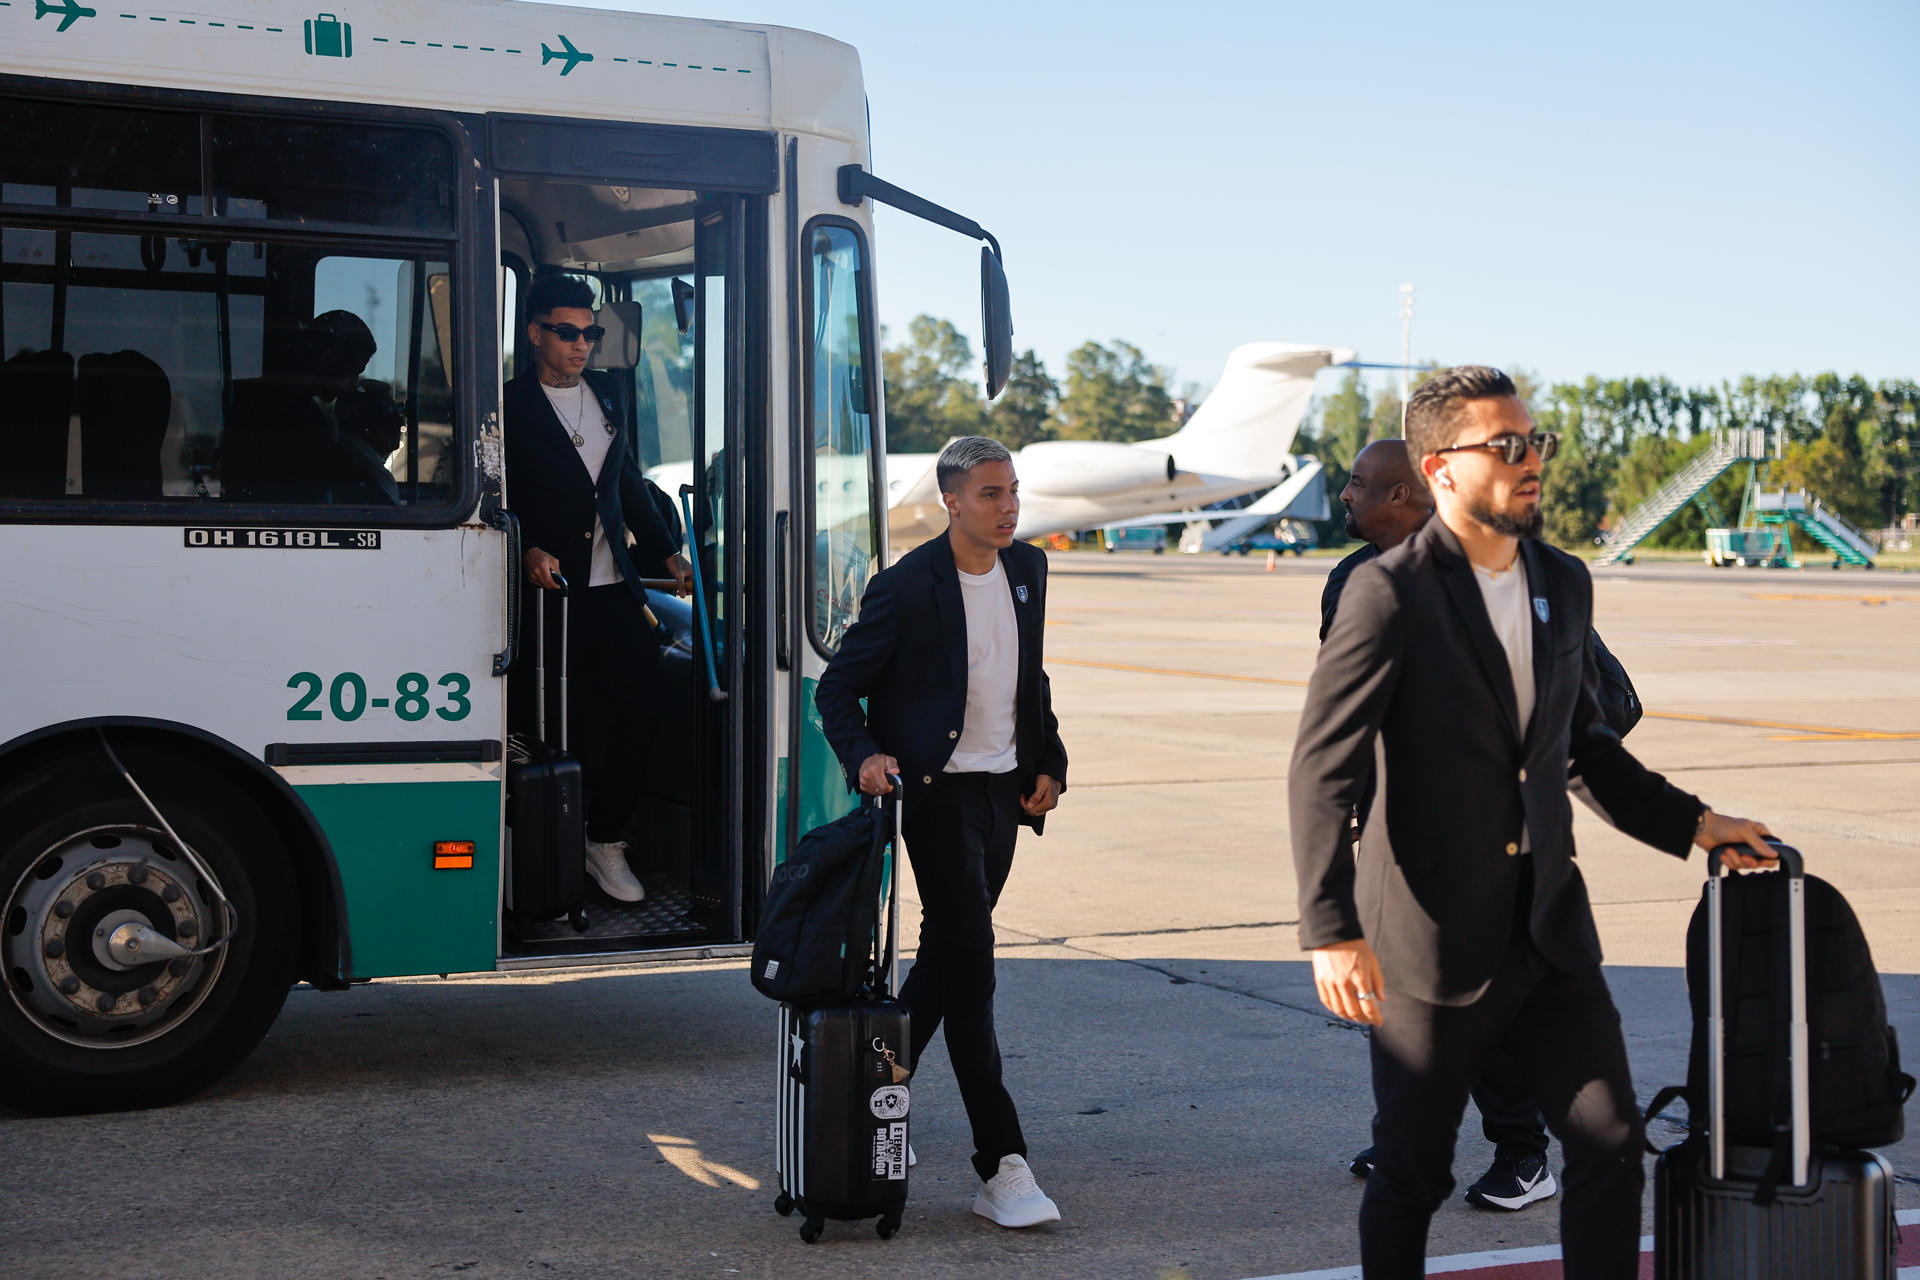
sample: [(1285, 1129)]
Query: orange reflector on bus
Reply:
[(453, 855)]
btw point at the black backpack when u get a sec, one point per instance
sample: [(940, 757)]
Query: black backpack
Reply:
[(821, 915), (1856, 1087), (1619, 704)]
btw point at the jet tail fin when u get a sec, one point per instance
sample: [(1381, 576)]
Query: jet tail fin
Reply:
[(1246, 425)]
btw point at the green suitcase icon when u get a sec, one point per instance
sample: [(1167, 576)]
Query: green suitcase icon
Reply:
[(328, 37)]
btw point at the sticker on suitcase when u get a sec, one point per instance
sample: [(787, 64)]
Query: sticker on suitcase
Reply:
[(890, 1151), (889, 1102)]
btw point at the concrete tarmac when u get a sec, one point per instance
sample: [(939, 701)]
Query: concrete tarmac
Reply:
[(1186, 1100)]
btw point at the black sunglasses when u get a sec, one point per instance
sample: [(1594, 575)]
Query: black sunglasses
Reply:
[(1513, 446), (573, 332)]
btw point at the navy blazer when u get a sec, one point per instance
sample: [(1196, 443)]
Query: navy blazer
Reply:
[(549, 489), (1412, 686), (906, 655)]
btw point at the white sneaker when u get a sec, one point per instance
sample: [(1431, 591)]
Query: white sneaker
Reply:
[(912, 1159), (607, 864), (1011, 1199)]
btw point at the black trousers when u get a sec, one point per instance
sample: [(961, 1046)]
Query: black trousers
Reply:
[(612, 670), (960, 833), (1509, 1117), (1562, 1032)]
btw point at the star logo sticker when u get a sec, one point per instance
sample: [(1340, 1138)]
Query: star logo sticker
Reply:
[(799, 1046)]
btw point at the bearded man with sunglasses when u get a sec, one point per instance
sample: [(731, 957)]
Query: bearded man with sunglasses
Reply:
[(587, 515), (1457, 671)]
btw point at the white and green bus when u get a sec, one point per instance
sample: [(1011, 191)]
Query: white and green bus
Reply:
[(255, 693)]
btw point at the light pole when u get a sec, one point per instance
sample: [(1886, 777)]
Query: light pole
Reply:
[(1406, 350)]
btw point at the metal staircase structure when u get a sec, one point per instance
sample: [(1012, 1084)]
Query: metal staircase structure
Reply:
[(1818, 521), (1730, 447)]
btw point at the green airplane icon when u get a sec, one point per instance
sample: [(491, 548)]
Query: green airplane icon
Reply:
[(567, 51), (70, 12)]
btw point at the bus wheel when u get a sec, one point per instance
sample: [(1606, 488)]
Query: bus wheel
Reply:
[(129, 981)]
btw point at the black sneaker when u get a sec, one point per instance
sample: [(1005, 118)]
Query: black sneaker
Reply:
[(1513, 1182), (1362, 1165)]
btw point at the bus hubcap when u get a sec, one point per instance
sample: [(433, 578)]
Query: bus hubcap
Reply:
[(98, 938)]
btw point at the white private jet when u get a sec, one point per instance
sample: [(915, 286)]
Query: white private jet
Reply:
[(1238, 442)]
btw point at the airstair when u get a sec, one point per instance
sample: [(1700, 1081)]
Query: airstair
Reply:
[(1730, 447), (1817, 520), (1301, 496)]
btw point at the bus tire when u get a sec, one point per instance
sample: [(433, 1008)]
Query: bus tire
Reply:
[(80, 856)]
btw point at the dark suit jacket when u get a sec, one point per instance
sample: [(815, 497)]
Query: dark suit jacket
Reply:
[(1412, 685), (907, 656), (549, 489), (1337, 582)]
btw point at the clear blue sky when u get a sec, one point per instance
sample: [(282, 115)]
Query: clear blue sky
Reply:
[(1689, 189)]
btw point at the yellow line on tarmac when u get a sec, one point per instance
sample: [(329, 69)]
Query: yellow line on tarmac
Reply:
[(1795, 732), (1797, 595), (1168, 671), (1792, 732)]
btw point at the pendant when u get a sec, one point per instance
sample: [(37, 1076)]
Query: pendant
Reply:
[(579, 441)]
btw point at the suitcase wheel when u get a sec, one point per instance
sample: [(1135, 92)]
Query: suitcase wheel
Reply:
[(887, 1226), (810, 1229), (783, 1205)]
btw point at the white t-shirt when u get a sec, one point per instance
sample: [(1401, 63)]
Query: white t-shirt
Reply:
[(993, 673), (1505, 593), (581, 416)]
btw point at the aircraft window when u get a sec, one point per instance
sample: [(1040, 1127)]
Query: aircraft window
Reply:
[(845, 541), (151, 367)]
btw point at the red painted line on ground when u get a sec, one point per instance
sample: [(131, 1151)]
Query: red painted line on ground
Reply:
[(1907, 1256)]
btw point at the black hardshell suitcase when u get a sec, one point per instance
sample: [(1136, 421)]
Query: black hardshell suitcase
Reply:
[(1832, 1214), (546, 806), (841, 1129)]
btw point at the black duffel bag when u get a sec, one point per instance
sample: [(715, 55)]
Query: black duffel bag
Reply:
[(822, 911)]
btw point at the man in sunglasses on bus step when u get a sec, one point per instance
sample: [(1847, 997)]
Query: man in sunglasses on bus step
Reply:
[(587, 513), (1459, 663)]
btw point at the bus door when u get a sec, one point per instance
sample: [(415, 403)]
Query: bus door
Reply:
[(661, 233), (839, 510)]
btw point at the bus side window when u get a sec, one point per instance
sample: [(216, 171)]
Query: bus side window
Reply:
[(230, 361)]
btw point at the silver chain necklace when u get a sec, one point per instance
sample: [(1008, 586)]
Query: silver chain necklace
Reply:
[(580, 417)]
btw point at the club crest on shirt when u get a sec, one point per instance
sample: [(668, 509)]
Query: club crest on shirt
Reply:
[(1540, 608), (1020, 592)]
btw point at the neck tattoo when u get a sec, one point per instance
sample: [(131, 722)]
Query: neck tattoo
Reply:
[(558, 381)]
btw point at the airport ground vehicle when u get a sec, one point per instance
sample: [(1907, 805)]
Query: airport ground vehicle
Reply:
[(1134, 538), (258, 594)]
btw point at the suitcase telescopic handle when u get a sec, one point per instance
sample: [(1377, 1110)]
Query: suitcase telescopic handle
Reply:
[(540, 663), (892, 957), (1793, 866)]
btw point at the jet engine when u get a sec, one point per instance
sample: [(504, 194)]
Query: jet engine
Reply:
[(1088, 468)]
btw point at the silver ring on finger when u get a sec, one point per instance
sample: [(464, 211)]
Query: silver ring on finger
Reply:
[(1364, 995)]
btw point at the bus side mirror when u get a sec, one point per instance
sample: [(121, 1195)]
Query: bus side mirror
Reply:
[(682, 304), (996, 321)]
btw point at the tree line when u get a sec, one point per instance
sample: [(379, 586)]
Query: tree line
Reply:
[(1849, 441), (1111, 392)]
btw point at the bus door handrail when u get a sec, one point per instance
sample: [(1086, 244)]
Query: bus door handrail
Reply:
[(507, 522), (701, 617)]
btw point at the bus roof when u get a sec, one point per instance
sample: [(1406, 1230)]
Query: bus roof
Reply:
[(453, 55)]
